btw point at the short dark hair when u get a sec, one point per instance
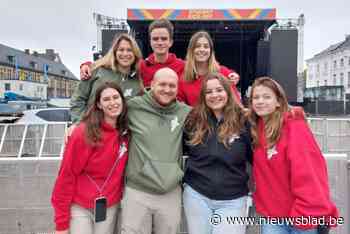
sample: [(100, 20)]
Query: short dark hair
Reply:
[(162, 23)]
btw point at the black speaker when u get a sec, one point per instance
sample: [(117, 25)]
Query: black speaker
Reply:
[(108, 35), (284, 60), (263, 58)]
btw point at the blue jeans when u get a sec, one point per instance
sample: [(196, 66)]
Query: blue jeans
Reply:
[(285, 229), (206, 216)]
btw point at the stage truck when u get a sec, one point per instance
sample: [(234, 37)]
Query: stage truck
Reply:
[(254, 42)]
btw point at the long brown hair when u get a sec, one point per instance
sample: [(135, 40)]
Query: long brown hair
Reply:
[(273, 124), (110, 61), (197, 121), (94, 116), (190, 66)]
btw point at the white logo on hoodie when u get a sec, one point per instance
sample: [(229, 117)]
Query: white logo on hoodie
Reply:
[(122, 149), (271, 152), (233, 138), (127, 92), (174, 123)]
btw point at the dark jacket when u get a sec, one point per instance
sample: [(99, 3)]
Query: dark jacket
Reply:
[(215, 171)]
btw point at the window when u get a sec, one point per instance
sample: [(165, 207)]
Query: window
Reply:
[(325, 82), (348, 79), (7, 86), (11, 58), (33, 64), (342, 62), (334, 79), (341, 78), (335, 64), (63, 72), (318, 68), (325, 68)]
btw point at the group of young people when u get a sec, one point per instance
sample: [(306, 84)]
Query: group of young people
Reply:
[(134, 119)]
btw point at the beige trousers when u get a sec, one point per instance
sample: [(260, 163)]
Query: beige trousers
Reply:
[(143, 212), (82, 221)]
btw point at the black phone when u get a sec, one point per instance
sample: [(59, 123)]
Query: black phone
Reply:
[(100, 209), (322, 229)]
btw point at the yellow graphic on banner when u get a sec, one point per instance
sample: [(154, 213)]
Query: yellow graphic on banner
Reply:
[(166, 14), (147, 15), (254, 14), (235, 14)]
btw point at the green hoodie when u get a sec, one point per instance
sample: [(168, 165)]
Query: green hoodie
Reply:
[(155, 148), (84, 94)]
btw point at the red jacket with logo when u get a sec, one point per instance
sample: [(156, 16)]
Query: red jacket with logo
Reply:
[(188, 92), (81, 159), (149, 66), (291, 178)]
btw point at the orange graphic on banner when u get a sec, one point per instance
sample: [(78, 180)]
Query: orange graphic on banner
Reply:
[(200, 14)]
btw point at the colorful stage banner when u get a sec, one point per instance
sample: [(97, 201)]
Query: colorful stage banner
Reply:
[(202, 14)]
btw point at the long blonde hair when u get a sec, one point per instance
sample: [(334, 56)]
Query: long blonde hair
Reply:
[(190, 66), (197, 121), (274, 122), (110, 61)]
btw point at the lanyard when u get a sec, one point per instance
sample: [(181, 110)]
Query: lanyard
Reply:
[(122, 150)]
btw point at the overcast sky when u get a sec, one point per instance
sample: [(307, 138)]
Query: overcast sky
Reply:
[(68, 27)]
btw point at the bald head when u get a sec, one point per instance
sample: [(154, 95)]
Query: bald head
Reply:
[(165, 72), (164, 86)]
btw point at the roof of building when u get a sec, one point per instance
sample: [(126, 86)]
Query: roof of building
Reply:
[(26, 60), (333, 48)]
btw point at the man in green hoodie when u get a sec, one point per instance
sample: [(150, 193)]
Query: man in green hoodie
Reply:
[(153, 194)]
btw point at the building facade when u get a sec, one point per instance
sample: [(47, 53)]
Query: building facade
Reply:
[(35, 75), (331, 67)]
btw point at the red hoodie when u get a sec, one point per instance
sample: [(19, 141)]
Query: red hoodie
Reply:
[(149, 66), (293, 182), (80, 158), (188, 92)]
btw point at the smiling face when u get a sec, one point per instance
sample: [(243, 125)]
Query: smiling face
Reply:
[(264, 101), (164, 86), (215, 97), (125, 55), (111, 104), (160, 41), (202, 50)]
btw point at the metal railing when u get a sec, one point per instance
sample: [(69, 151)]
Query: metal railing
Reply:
[(32, 141)]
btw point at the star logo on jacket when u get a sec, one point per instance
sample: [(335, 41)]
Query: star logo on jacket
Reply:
[(233, 138), (127, 92), (174, 123), (271, 152)]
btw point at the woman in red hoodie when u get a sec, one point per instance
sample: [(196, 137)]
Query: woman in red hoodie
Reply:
[(200, 61), (289, 169), (89, 185)]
